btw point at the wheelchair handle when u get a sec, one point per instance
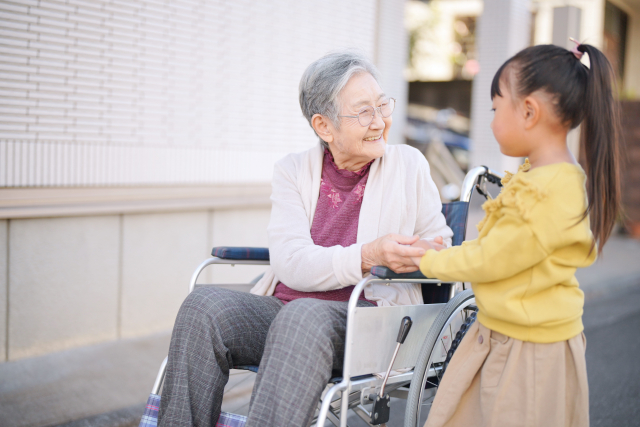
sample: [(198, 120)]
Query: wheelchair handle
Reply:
[(476, 176), (404, 329)]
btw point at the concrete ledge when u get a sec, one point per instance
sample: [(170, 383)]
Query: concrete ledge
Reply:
[(56, 202)]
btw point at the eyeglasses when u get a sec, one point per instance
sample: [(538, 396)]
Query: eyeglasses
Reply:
[(366, 115)]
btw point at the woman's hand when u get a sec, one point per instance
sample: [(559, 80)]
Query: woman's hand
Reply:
[(392, 251), (426, 244)]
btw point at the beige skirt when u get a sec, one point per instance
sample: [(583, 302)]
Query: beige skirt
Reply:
[(497, 381)]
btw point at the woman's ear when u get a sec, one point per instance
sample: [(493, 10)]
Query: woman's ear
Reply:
[(531, 111), (323, 127)]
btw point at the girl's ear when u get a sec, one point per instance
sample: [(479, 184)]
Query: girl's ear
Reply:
[(323, 127), (531, 111)]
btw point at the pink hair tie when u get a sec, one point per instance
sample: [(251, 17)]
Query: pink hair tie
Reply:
[(575, 50)]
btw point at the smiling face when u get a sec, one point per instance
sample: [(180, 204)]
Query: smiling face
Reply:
[(354, 145)]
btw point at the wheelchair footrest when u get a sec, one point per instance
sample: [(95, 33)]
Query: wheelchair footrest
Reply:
[(381, 410)]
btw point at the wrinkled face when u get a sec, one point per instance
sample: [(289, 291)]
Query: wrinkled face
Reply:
[(507, 124), (353, 142)]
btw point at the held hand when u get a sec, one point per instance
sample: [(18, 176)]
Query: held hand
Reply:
[(426, 244), (392, 251)]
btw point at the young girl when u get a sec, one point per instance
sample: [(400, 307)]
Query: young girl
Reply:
[(522, 363)]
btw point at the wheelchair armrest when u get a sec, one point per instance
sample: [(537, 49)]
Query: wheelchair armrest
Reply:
[(387, 273), (241, 253)]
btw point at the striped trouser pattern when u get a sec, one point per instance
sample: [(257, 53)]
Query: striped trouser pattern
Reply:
[(296, 345)]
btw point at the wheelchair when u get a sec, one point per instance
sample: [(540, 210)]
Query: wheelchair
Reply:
[(417, 355)]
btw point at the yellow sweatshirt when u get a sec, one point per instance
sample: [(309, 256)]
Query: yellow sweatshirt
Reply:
[(522, 265)]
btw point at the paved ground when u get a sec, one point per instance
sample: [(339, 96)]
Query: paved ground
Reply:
[(107, 384), (612, 327)]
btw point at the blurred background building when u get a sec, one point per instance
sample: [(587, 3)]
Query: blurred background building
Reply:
[(135, 135), (456, 46)]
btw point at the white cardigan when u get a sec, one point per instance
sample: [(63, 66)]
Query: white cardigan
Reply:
[(400, 197)]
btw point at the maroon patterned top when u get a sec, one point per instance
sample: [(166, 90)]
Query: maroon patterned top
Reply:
[(335, 221)]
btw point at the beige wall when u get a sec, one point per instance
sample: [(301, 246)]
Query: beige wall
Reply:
[(156, 264), (76, 281), (63, 276), (237, 228), (3, 290)]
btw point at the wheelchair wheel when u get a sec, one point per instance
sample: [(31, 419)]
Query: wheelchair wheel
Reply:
[(440, 344)]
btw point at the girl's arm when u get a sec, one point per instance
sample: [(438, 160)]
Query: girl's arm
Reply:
[(509, 248)]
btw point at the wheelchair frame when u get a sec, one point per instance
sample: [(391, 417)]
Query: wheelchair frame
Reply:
[(354, 387)]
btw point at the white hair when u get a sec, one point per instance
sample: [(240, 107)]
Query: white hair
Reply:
[(323, 80)]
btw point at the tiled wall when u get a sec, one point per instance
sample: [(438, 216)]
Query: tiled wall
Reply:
[(145, 92)]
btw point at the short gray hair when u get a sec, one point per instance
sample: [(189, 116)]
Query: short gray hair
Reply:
[(323, 80)]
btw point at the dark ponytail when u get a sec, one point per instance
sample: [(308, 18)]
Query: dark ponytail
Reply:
[(581, 96), (599, 139)]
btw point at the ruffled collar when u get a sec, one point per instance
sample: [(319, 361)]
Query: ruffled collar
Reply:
[(522, 168), (520, 193)]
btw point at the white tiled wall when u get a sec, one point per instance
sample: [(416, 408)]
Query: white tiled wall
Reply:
[(144, 92)]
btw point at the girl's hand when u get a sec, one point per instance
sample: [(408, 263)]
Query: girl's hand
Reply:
[(392, 251), (426, 244)]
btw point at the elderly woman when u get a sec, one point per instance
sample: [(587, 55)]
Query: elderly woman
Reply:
[(345, 205)]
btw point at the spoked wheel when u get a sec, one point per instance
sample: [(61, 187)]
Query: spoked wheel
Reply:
[(442, 340)]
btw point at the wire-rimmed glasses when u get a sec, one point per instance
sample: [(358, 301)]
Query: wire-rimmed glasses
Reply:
[(366, 115)]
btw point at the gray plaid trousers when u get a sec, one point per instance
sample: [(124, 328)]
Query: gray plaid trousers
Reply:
[(297, 346)]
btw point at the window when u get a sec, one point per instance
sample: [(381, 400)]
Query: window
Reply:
[(615, 36)]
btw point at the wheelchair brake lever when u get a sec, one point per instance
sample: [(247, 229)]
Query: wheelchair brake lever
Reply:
[(484, 192), (382, 405)]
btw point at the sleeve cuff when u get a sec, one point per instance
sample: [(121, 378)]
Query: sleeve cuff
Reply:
[(427, 261), (347, 264)]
